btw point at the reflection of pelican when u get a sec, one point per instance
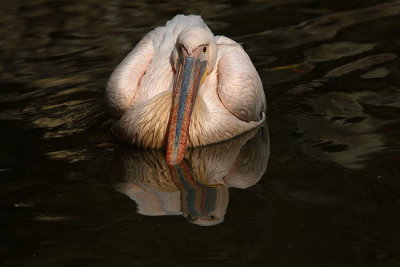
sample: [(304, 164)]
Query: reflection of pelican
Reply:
[(197, 188), (208, 80)]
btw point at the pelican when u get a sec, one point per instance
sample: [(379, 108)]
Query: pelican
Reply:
[(182, 86)]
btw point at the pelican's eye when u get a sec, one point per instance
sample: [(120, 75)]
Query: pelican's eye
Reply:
[(204, 49)]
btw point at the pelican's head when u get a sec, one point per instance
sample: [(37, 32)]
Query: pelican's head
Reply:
[(192, 58), (195, 42)]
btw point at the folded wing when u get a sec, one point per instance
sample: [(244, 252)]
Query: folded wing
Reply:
[(125, 79), (239, 85)]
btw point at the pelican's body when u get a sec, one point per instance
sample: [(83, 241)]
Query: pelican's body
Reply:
[(182, 86)]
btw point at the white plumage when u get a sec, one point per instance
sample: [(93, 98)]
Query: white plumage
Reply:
[(229, 102)]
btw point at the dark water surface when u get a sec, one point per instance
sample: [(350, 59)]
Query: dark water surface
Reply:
[(330, 195)]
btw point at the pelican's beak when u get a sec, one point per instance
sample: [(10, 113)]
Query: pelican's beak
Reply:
[(189, 77)]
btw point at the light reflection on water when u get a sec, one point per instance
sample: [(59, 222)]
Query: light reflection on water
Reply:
[(330, 194)]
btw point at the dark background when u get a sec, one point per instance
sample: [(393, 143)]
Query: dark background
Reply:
[(330, 196)]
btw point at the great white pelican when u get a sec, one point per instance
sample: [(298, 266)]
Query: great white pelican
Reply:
[(182, 86)]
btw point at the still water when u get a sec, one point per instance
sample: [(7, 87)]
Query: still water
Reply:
[(318, 186)]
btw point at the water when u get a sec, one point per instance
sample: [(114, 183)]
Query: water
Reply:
[(329, 197)]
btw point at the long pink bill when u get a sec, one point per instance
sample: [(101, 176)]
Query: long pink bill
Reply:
[(187, 83)]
